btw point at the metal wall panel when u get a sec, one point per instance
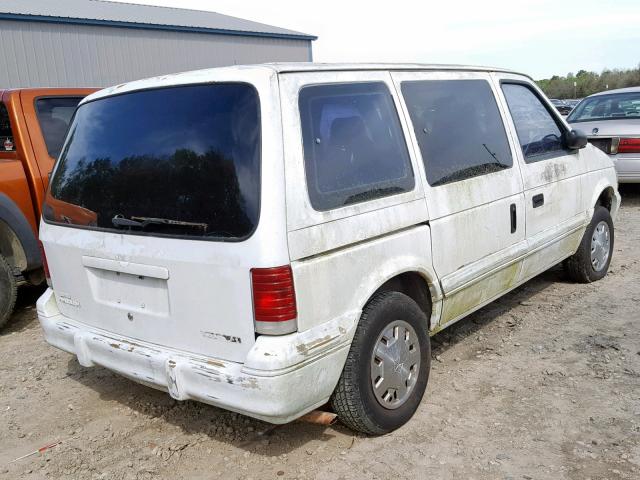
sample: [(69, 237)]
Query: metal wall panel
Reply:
[(137, 16), (35, 54)]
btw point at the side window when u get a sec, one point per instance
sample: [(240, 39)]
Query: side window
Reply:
[(458, 127), (6, 136), (354, 149), (539, 135), (54, 115)]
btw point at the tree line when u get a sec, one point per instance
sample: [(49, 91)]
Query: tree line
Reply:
[(586, 83)]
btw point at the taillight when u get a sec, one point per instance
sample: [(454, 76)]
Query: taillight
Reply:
[(274, 300), (45, 264), (629, 145)]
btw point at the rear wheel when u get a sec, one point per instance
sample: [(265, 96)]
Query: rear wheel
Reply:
[(591, 261), (387, 369), (8, 290)]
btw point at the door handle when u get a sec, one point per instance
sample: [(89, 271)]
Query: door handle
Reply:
[(514, 219), (538, 200)]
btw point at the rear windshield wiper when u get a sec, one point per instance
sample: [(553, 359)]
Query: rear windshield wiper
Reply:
[(144, 222), (120, 221)]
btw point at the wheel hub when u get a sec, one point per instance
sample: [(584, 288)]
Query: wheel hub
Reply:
[(394, 364), (600, 246)]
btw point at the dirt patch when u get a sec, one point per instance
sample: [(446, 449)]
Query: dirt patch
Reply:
[(541, 384)]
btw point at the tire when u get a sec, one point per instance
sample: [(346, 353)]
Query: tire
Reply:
[(354, 400), (580, 266), (8, 290)]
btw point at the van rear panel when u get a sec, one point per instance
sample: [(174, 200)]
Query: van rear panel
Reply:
[(157, 213), (188, 295)]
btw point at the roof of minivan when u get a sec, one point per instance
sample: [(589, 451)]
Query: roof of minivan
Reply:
[(209, 74), (288, 67)]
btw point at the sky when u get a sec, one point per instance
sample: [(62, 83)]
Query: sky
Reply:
[(537, 37)]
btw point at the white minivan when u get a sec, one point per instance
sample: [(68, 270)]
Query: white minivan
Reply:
[(271, 238)]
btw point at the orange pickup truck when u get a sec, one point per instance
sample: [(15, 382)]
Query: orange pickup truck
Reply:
[(33, 126)]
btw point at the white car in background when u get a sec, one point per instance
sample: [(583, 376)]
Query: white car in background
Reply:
[(611, 121)]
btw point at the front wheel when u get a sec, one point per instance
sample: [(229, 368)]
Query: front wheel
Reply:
[(591, 261), (387, 369), (8, 290)]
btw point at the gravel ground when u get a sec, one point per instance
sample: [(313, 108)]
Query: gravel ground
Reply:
[(542, 384)]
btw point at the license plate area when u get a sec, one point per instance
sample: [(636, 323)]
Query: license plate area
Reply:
[(130, 292)]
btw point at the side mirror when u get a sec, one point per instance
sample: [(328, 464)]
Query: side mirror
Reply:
[(574, 139)]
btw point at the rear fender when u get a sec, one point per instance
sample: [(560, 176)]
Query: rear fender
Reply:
[(344, 280)]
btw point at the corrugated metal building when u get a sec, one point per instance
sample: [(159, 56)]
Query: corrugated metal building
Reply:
[(98, 43)]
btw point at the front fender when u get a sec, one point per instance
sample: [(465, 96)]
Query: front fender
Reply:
[(605, 179)]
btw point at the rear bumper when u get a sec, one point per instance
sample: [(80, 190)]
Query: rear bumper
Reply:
[(627, 168), (277, 395)]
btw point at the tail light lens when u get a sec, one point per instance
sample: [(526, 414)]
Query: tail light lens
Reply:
[(274, 300), (45, 264), (629, 145)]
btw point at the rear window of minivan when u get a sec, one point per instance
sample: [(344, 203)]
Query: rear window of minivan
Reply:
[(179, 161)]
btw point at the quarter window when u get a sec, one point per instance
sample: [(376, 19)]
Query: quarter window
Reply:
[(354, 148), (458, 127), (538, 133), (6, 137)]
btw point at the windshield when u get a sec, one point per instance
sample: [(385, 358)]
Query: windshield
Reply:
[(613, 106), (179, 161)]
